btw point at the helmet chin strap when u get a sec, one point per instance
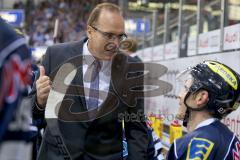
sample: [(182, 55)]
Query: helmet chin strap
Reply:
[(189, 109), (186, 118)]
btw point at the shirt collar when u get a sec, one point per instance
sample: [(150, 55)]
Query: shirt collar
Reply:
[(133, 54), (87, 56), (88, 59), (206, 122)]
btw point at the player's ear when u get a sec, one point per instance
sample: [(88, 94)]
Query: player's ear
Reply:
[(201, 98)]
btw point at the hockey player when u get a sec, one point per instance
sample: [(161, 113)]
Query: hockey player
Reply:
[(15, 113), (211, 92)]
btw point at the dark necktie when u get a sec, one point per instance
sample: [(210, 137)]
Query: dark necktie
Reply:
[(94, 86)]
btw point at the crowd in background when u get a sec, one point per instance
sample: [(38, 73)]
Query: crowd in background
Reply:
[(40, 19)]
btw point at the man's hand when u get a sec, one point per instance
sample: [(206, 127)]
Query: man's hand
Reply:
[(43, 86)]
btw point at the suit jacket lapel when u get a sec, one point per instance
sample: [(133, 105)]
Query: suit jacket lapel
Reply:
[(78, 80)]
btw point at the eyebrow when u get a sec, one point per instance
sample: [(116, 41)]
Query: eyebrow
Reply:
[(115, 34)]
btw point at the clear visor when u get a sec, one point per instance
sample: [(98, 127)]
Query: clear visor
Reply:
[(183, 82)]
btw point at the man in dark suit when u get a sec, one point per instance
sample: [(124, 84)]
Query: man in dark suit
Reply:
[(79, 132)]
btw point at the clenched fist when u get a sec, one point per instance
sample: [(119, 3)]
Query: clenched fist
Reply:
[(43, 86)]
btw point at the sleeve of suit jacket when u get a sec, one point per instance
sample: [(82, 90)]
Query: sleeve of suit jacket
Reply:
[(38, 114), (136, 131)]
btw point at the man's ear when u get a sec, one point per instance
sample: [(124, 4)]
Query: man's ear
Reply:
[(202, 98), (89, 32)]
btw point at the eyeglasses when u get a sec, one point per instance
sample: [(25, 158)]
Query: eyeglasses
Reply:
[(111, 36)]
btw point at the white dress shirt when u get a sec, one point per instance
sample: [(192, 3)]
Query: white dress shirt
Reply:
[(104, 74)]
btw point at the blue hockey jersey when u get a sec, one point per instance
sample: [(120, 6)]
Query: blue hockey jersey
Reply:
[(15, 112), (210, 142)]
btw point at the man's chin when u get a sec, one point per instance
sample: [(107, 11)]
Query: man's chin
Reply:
[(109, 55)]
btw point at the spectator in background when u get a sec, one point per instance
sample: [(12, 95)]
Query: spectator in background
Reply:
[(130, 46), (18, 4)]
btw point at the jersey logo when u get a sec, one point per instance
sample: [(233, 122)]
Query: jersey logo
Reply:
[(125, 149), (236, 151), (16, 78), (199, 149)]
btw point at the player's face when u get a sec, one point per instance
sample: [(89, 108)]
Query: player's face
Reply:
[(182, 107), (105, 36)]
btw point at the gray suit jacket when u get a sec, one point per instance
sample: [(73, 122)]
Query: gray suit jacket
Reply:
[(99, 139)]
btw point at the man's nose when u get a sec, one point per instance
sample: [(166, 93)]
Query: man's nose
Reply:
[(116, 41)]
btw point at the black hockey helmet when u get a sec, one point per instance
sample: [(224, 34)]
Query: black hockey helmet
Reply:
[(222, 84)]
